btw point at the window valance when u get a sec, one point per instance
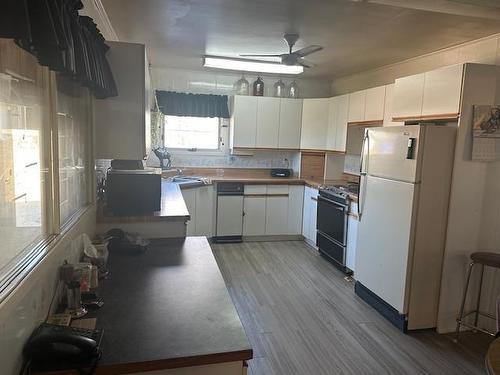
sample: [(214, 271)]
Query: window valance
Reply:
[(193, 105)]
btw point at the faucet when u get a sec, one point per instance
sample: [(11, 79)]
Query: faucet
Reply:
[(179, 171)]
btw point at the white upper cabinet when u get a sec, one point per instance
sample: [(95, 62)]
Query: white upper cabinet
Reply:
[(435, 94), (268, 120), (357, 102), (331, 131), (265, 122), (290, 123), (341, 126), (315, 113), (244, 122), (388, 107), (127, 114), (374, 107), (408, 96), (442, 92)]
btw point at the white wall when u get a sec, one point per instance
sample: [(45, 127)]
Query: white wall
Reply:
[(27, 306), (484, 51), (217, 82)]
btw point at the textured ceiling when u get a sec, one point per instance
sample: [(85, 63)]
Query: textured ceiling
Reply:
[(356, 36)]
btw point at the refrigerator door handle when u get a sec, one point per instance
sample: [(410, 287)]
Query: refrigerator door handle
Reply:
[(365, 147)]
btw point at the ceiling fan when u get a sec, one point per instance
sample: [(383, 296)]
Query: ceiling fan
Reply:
[(292, 57)]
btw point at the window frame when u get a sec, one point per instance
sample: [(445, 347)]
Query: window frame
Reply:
[(223, 142), (21, 266)]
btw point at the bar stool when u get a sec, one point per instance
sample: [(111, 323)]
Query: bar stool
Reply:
[(483, 259)]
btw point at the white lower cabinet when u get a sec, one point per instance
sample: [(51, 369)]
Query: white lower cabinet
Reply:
[(200, 202), (277, 210), (352, 236), (295, 207), (310, 214), (189, 196), (254, 210), (272, 210)]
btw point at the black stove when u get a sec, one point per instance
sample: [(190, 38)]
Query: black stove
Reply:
[(332, 221), (340, 193)]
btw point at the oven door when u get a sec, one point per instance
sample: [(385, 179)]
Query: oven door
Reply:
[(332, 220)]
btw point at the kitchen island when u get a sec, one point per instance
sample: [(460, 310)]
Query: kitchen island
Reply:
[(169, 309)]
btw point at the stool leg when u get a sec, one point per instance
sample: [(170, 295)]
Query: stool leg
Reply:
[(479, 296), (464, 297)]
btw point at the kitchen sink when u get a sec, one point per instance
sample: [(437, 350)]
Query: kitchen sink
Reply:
[(189, 180)]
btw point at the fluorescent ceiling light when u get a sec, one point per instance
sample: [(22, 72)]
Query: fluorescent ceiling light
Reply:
[(250, 65)]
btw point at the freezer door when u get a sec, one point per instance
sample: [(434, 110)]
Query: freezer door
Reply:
[(383, 239), (393, 152)]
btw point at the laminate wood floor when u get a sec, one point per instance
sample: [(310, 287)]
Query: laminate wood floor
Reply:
[(303, 318)]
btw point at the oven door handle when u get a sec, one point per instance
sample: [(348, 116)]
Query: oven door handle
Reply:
[(337, 205)]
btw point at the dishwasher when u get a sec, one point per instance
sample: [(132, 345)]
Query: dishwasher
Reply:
[(229, 226)]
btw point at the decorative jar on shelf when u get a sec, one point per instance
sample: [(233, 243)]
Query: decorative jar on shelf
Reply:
[(279, 89), (241, 86), (258, 87), (293, 90)]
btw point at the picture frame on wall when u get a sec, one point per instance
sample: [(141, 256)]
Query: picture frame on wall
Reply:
[(486, 133)]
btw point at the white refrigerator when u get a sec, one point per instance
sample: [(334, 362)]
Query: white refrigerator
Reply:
[(403, 209)]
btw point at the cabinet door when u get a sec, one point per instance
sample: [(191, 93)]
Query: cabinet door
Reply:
[(388, 107), (352, 235), (331, 132), (408, 96), (277, 210), (205, 211), (189, 196), (268, 120), (244, 121), (442, 91), (357, 102), (254, 216), (290, 123), (341, 124), (313, 217), (306, 216), (314, 124), (374, 107), (295, 203)]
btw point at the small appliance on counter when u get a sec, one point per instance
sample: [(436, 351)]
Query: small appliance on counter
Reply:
[(133, 191), (281, 172)]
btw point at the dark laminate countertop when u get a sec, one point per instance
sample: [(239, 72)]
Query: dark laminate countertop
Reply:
[(168, 308), (173, 208)]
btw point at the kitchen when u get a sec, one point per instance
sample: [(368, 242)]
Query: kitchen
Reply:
[(320, 210)]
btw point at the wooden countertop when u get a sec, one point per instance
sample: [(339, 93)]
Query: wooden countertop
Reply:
[(167, 308), (173, 208)]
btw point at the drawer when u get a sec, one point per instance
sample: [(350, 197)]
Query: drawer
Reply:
[(255, 189), (277, 189)]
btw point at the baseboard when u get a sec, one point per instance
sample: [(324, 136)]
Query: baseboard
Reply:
[(293, 237), (386, 310), (227, 239)]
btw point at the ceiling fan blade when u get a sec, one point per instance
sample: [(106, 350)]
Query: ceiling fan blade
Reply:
[(307, 50), (250, 55), (305, 64)]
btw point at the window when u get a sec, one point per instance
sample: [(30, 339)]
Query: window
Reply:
[(30, 162), (192, 133), (74, 135), (24, 176)]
